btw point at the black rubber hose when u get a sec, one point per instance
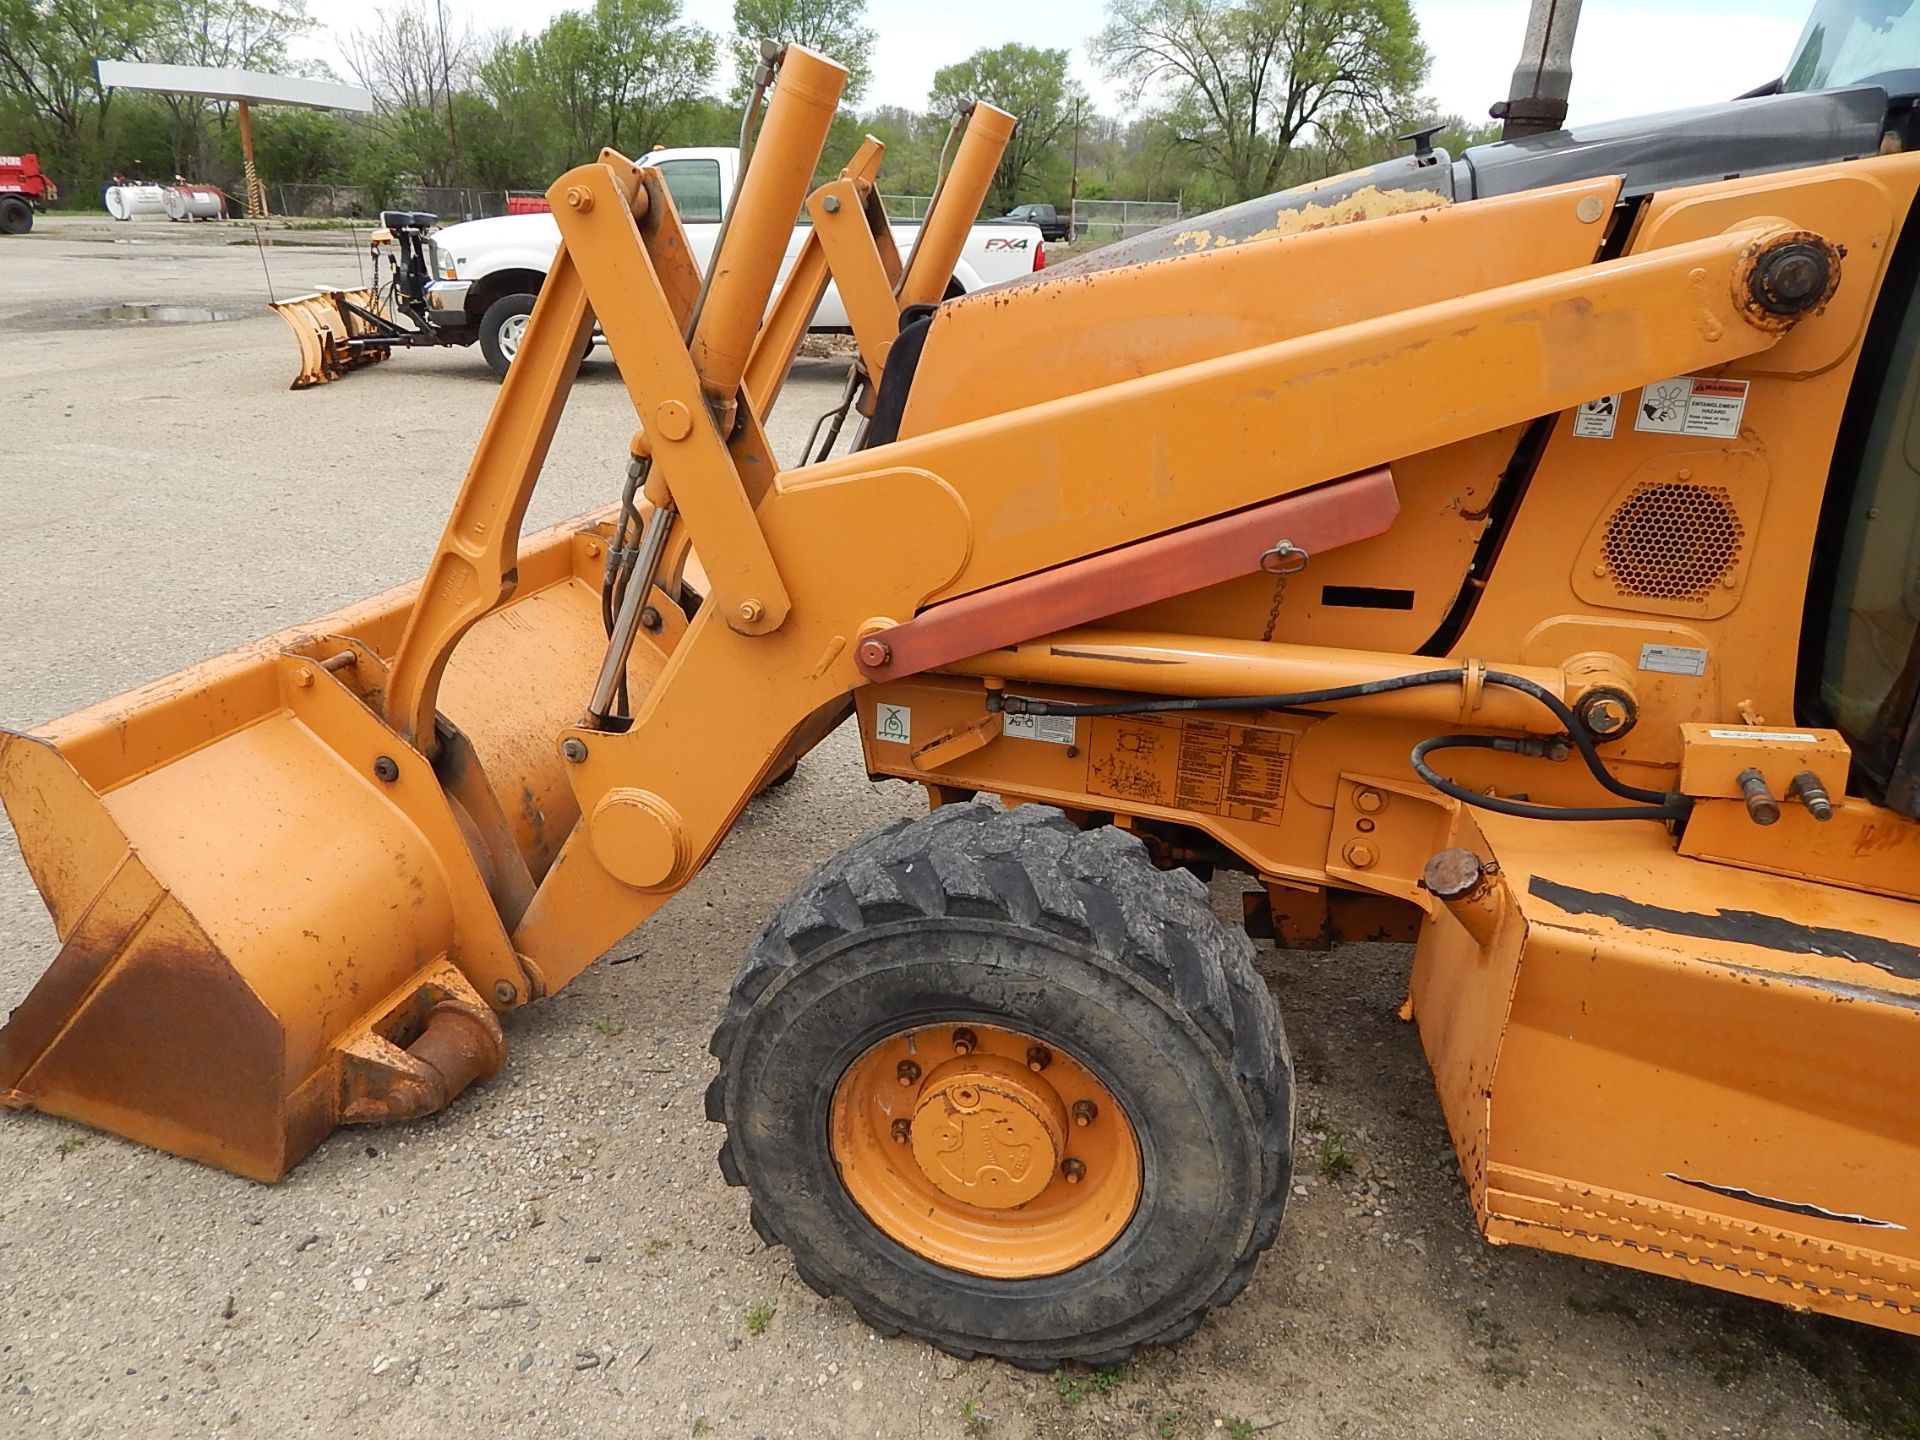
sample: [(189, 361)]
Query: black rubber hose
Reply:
[(1674, 808), (1577, 733)]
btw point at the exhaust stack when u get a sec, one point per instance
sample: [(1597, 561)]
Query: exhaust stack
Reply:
[(1537, 100)]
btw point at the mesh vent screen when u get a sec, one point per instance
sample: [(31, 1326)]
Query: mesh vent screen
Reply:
[(1673, 541)]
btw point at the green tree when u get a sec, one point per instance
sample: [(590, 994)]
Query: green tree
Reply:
[(517, 136), (415, 57), (1031, 85), (301, 147), (622, 72), (224, 34), (47, 50), (1243, 83), (832, 27)]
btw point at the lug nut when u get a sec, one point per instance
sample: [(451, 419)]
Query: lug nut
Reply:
[(574, 748), (386, 768), (874, 653), (902, 1130), (504, 992), (650, 620), (964, 1041), (1073, 1171), (1038, 1058), (908, 1072), (1084, 1112)]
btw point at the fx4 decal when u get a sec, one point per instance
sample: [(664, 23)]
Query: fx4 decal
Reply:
[(1005, 244)]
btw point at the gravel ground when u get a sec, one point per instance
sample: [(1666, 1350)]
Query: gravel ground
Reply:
[(557, 1255)]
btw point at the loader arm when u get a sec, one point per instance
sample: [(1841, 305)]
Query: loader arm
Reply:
[(434, 732)]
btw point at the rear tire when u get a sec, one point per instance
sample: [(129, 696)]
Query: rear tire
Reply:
[(16, 216), (1019, 921), (501, 327)]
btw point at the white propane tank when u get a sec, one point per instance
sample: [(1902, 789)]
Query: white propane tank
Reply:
[(196, 202), (135, 202)]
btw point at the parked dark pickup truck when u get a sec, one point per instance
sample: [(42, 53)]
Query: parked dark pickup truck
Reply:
[(1053, 225)]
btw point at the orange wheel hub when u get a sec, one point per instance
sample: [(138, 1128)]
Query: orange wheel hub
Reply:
[(985, 1151)]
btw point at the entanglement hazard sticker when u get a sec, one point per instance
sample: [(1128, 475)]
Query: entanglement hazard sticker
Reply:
[(1692, 405)]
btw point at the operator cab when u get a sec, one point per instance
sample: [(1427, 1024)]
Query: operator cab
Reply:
[(1858, 42)]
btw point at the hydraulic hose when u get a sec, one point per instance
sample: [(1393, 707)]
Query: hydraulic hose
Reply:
[(1649, 804)]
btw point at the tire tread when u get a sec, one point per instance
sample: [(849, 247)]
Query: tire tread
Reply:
[(1031, 865)]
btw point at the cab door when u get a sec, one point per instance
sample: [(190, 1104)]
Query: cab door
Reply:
[(1868, 667)]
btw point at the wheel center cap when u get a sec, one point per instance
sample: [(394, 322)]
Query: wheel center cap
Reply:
[(987, 1131)]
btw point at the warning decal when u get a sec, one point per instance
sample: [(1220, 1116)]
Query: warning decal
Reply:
[(1595, 419), (1238, 771), (1691, 405)]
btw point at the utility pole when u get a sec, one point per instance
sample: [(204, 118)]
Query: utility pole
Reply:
[(446, 80), (1073, 185)]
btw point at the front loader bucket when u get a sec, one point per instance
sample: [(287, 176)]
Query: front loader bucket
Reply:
[(276, 917), (322, 325)]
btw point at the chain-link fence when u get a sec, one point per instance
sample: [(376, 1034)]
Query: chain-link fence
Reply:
[(906, 207), (1101, 222), (356, 202)]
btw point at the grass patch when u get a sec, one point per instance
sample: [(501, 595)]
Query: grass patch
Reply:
[(610, 1028), (1101, 1380), (973, 1420), (1238, 1429), (1335, 1155), (759, 1316)]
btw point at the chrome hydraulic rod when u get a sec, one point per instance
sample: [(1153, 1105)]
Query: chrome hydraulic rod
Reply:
[(653, 544)]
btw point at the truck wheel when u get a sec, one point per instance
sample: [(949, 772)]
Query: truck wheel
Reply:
[(16, 216), (501, 329), (1006, 1086)]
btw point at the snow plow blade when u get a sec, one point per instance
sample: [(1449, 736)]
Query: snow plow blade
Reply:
[(323, 323), (277, 917)]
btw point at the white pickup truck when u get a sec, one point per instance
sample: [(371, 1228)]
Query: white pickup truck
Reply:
[(487, 272)]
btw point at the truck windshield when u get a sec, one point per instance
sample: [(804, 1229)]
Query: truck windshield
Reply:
[(1858, 42)]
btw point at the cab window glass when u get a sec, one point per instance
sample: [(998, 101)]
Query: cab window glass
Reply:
[(695, 187), (1871, 671)]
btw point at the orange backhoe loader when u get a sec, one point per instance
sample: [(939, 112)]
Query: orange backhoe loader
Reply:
[(1513, 553)]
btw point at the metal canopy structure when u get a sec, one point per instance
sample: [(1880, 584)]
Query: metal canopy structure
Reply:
[(245, 88)]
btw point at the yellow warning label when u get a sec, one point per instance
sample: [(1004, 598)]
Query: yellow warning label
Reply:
[(1238, 771)]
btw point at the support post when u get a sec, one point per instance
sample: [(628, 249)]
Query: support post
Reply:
[(256, 192)]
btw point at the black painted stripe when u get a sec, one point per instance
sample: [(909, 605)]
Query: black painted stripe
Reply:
[(1792, 1207), (1745, 927)]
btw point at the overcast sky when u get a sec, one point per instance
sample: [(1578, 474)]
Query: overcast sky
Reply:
[(1630, 59)]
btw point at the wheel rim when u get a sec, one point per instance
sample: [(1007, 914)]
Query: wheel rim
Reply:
[(511, 329), (985, 1151)]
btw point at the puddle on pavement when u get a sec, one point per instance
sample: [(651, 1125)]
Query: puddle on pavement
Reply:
[(166, 314)]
